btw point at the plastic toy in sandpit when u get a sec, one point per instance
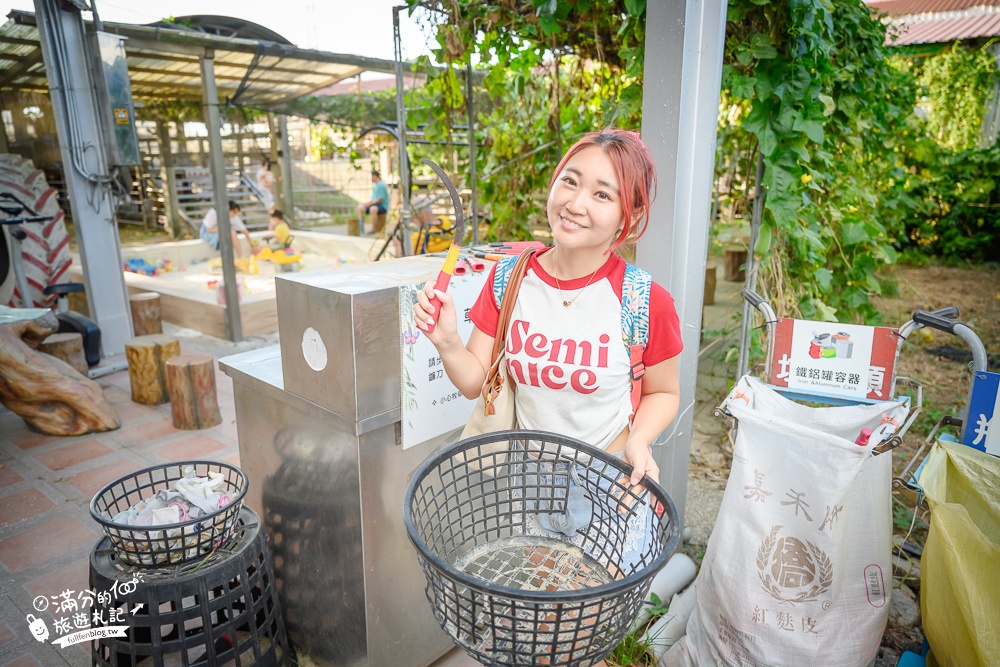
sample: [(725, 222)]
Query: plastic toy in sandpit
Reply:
[(141, 266)]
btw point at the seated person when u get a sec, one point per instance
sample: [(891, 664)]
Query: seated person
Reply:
[(278, 231), (377, 207), (209, 232)]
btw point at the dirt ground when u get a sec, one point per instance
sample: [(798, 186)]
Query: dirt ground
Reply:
[(945, 378)]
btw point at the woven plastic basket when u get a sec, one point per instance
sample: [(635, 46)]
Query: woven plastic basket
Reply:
[(508, 591), (174, 543)]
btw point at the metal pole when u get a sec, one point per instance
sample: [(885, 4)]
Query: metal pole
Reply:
[(217, 162), (470, 105), (85, 168), (285, 155), (751, 268), (679, 112), (404, 163)]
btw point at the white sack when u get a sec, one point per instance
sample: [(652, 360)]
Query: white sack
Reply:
[(797, 570)]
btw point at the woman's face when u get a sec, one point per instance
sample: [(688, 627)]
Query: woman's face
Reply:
[(584, 206)]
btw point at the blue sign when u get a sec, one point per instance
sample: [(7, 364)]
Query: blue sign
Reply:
[(982, 424)]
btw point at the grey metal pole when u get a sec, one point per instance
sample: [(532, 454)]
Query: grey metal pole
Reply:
[(285, 155), (470, 105), (217, 161), (679, 111), (751, 267), (404, 162), (78, 124)]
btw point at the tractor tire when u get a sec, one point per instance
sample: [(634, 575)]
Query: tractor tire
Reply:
[(45, 252)]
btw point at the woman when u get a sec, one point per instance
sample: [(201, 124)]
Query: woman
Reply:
[(562, 347)]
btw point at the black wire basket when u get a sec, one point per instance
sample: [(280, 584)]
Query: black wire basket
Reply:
[(505, 586), (174, 543)]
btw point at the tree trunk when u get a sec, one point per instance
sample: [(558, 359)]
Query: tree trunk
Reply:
[(47, 392), (145, 309), (69, 348), (146, 356), (193, 400)]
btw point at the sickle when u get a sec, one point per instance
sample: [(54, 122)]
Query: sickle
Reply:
[(456, 202)]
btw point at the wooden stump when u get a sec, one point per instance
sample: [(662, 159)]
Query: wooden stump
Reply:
[(145, 313), (146, 356), (709, 285), (69, 348), (46, 392), (379, 223), (734, 261), (352, 227), (193, 400)]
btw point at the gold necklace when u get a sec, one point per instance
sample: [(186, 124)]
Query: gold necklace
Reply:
[(567, 304)]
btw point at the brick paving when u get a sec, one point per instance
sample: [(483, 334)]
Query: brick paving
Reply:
[(46, 484)]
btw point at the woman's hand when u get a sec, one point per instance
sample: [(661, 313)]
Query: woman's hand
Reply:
[(445, 322), (639, 455)]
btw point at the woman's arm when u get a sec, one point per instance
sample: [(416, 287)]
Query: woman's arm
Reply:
[(657, 408), (465, 365)]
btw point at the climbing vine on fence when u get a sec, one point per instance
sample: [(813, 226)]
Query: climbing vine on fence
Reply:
[(554, 69), (807, 85)]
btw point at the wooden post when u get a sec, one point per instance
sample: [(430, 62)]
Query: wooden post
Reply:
[(709, 298), (145, 308), (68, 347), (193, 400), (171, 205), (146, 357)]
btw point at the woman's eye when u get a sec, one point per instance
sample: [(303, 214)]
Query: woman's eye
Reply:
[(568, 180), (603, 195)]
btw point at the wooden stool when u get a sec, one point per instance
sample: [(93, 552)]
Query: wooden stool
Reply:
[(68, 347), (734, 261), (352, 227), (146, 356), (379, 223), (193, 401), (145, 308)]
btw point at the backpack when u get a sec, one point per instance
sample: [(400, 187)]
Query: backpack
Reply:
[(636, 286)]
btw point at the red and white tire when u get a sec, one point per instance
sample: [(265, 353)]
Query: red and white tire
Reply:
[(45, 252)]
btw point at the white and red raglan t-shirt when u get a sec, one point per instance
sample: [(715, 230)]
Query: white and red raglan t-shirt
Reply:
[(571, 364)]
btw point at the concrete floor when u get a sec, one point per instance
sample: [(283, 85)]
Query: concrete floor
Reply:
[(46, 483)]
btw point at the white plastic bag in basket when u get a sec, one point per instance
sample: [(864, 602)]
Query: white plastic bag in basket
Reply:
[(797, 570)]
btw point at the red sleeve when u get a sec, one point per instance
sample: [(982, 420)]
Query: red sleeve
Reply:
[(664, 328), (484, 313)]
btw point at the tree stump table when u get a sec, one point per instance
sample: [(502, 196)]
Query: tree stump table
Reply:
[(147, 374), (145, 309), (734, 262), (46, 392), (69, 348), (194, 403)]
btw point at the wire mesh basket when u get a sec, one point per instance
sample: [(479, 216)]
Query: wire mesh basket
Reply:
[(535, 548), (172, 543)]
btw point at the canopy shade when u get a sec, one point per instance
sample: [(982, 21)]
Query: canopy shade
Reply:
[(163, 64)]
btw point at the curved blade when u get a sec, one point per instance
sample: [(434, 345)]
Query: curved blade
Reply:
[(455, 201)]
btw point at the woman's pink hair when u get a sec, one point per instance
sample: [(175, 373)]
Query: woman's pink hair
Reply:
[(633, 165)]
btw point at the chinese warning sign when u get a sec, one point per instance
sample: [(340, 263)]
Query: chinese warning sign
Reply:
[(845, 360), (121, 116)]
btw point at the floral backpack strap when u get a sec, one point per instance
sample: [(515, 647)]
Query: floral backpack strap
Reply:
[(501, 277), (635, 324)]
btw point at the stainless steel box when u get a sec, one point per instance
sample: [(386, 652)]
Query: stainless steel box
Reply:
[(318, 423)]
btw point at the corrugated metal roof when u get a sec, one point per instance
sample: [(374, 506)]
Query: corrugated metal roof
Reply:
[(165, 63), (914, 22), (909, 7)]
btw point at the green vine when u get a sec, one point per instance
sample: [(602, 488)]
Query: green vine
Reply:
[(810, 89)]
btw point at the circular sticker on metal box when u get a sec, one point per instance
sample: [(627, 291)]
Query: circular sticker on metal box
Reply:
[(314, 349)]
